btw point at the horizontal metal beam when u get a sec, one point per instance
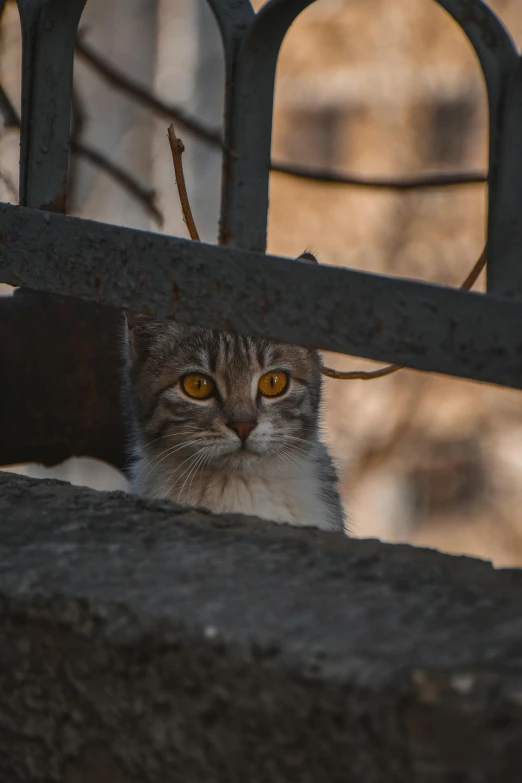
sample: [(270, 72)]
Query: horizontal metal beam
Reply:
[(423, 326)]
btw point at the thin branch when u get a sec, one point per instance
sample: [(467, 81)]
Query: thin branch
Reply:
[(7, 110), (177, 148), (79, 115), (473, 276), (414, 182), (145, 196), (127, 85), (361, 375)]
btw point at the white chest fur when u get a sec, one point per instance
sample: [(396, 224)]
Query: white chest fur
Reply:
[(281, 493)]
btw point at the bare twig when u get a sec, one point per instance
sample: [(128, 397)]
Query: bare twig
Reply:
[(127, 85), (414, 182), (362, 375), (473, 276), (144, 195), (177, 148), (7, 110), (79, 115)]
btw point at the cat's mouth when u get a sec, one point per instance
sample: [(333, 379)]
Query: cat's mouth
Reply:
[(244, 452), (239, 455)]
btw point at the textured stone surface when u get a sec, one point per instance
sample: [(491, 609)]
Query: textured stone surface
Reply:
[(142, 642)]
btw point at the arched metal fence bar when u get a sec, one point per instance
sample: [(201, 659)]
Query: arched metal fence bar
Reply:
[(233, 17), (423, 326), (500, 64), (505, 202), (48, 35), (493, 45), (248, 125), (248, 119)]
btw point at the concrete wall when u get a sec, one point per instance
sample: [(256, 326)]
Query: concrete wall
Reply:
[(143, 642)]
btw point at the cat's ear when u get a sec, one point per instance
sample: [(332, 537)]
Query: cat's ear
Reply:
[(141, 330), (309, 257), (135, 319)]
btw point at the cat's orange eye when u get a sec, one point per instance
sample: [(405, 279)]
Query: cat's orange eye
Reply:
[(274, 383), (197, 385)]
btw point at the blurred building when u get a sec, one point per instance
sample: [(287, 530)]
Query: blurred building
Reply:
[(383, 87), (394, 88)]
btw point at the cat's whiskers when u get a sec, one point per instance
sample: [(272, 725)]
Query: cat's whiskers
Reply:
[(209, 457), (184, 447), (173, 435), (192, 429), (291, 453), (199, 467), (153, 463), (166, 451), (191, 467), (190, 459), (302, 440), (296, 446)]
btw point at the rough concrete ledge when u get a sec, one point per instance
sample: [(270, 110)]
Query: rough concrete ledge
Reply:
[(142, 642)]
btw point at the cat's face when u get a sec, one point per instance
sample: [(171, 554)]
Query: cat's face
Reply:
[(234, 399)]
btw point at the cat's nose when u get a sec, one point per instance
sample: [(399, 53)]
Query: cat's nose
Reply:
[(242, 428)]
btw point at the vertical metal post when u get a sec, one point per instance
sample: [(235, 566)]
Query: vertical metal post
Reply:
[(505, 206), (251, 66), (501, 66), (48, 37), (234, 19)]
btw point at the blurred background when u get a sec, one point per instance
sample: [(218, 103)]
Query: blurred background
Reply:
[(372, 87)]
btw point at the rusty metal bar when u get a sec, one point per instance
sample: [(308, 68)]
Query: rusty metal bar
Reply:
[(251, 61), (426, 327), (501, 67), (48, 36), (118, 79), (493, 45), (233, 18), (505, 204), (248, 125), (59, 399), (422, 326)]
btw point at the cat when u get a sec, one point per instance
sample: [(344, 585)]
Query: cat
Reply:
[(228, 423)]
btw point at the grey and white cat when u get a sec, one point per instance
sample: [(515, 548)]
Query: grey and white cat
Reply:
[(228, 423)]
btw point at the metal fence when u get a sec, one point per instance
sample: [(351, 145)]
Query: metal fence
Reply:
[(235, 286)]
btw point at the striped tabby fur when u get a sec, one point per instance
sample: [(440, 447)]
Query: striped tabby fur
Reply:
[(182, 447)]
